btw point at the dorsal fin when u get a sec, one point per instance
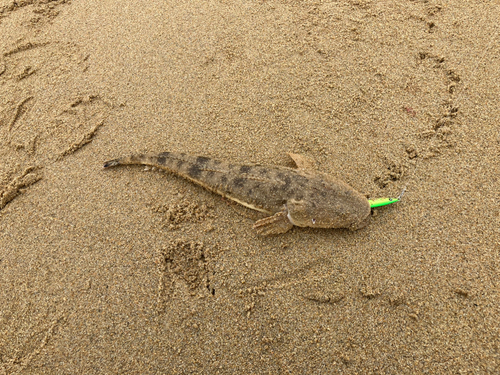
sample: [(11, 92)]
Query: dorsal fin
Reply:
[(304, 163)]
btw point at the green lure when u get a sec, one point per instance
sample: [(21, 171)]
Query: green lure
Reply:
[(382, 202), (385, 201)]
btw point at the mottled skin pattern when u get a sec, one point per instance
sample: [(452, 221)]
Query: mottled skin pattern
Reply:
[(303, 197)]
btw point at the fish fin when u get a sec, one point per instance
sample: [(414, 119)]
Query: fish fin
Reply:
[(271, 225), (304, 162)]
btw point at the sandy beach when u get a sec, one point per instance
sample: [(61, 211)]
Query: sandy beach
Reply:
[(132, 270)]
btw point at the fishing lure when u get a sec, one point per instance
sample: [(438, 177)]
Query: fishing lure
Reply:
[(379, 202), (382, 202)]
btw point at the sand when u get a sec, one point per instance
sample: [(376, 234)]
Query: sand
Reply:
[(132, 270)]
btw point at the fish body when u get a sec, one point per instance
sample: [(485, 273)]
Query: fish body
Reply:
[(298, 196)]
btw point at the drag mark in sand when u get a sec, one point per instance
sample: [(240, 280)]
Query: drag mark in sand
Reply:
[(18, 184), (19, 110)]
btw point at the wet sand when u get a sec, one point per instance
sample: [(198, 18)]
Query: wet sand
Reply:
[(132, 270)]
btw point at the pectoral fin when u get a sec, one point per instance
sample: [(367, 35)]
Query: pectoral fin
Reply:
[(276, 224)]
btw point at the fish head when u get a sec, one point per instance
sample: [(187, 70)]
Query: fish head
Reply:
[(337, 207)]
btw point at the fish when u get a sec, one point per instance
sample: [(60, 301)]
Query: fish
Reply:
[(301, 196)]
